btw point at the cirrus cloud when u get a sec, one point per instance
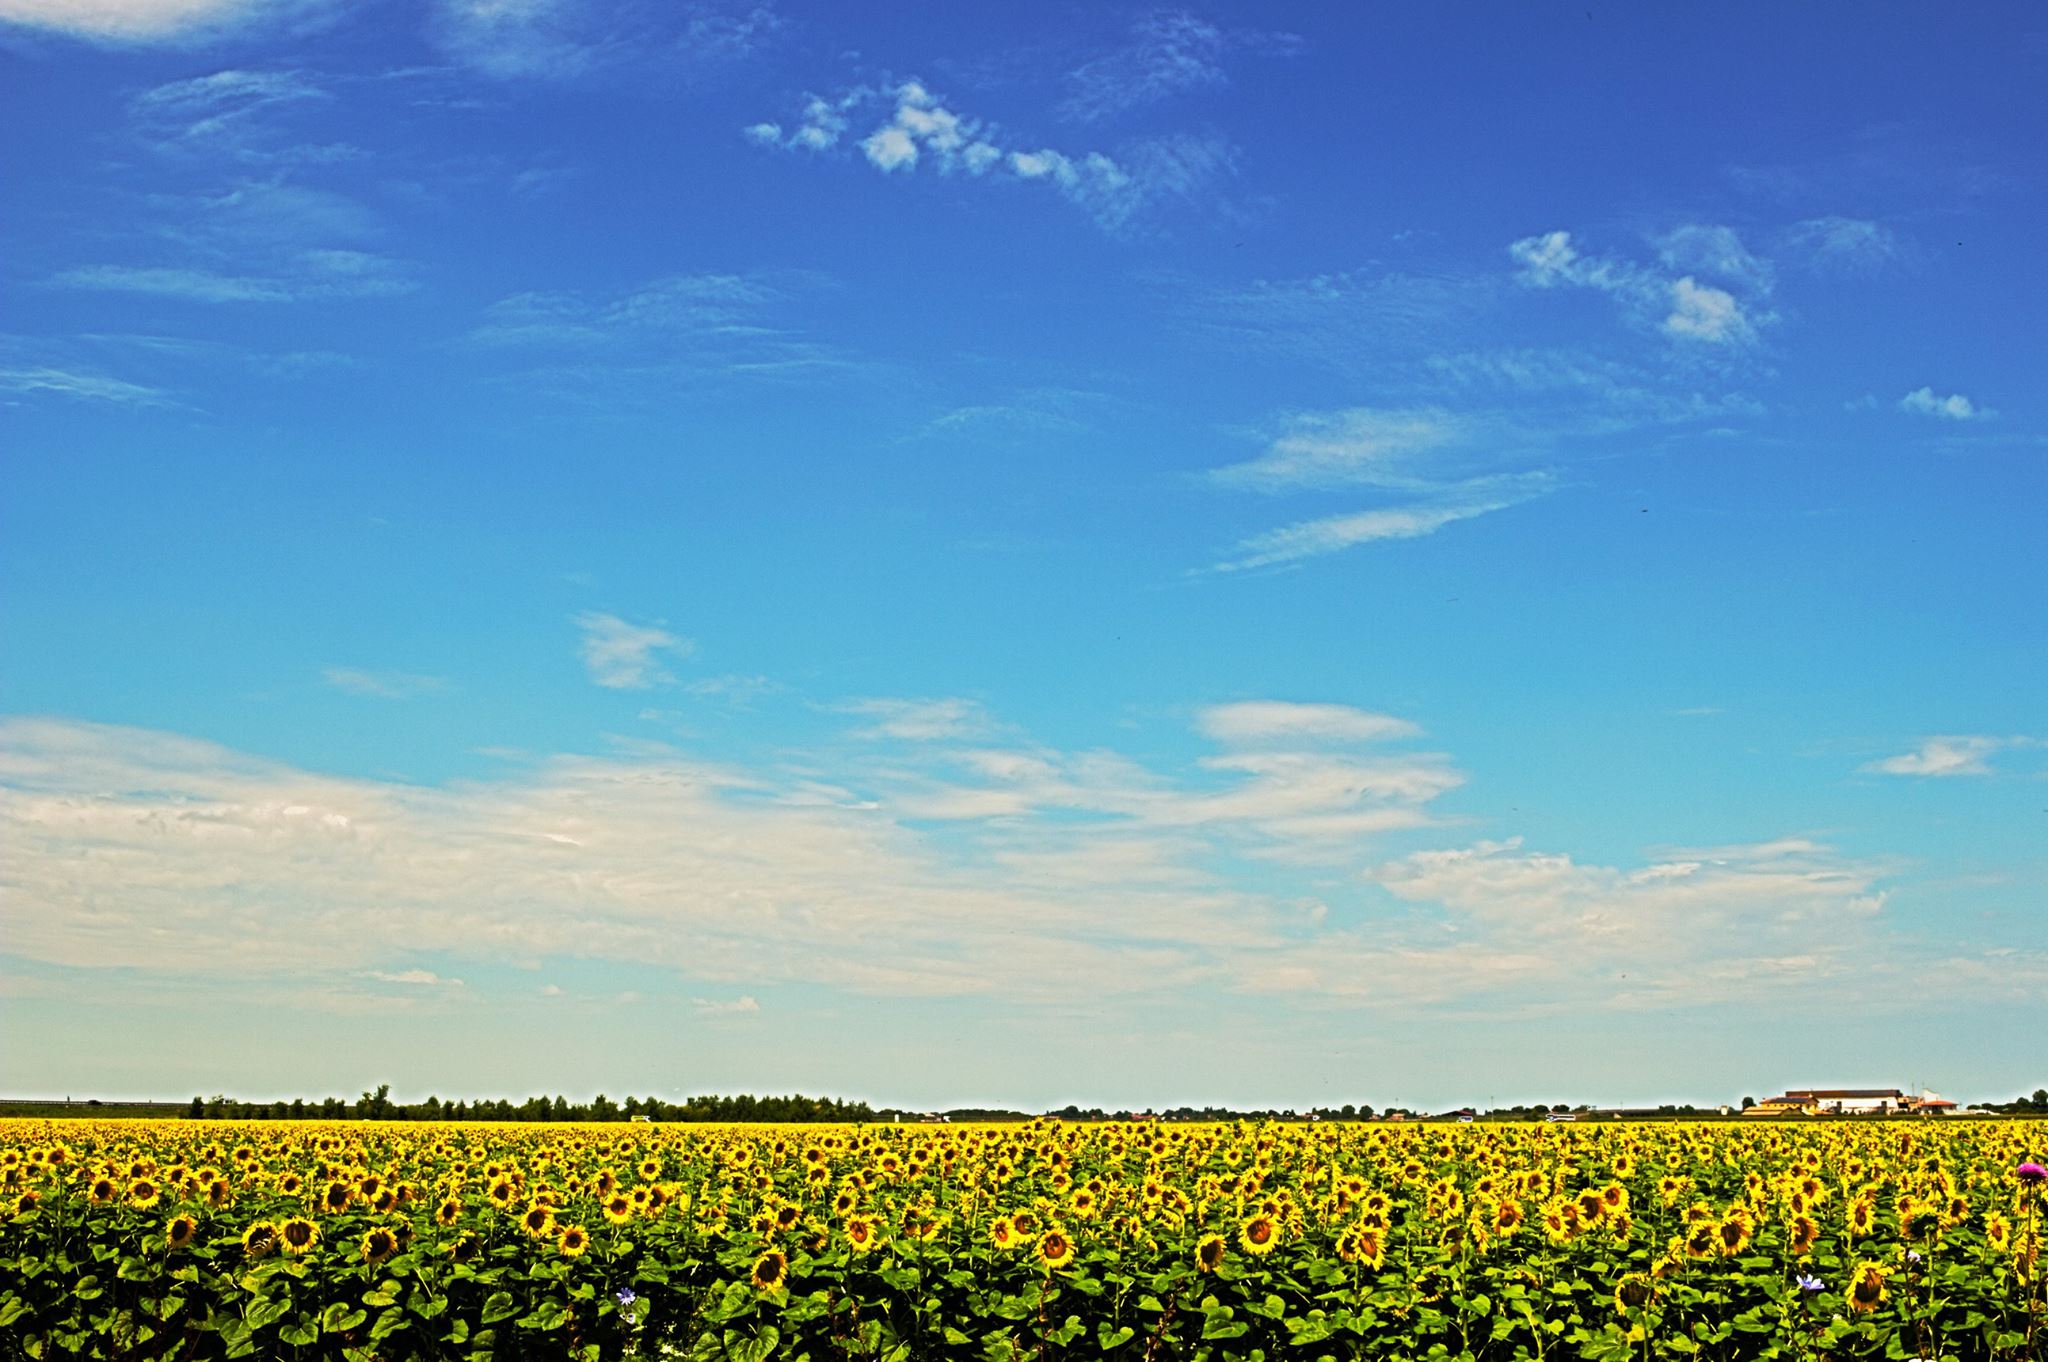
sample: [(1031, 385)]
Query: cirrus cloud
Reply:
[(624, 656)]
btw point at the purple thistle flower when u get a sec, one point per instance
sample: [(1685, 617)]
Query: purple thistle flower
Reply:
[(2033, 1173)]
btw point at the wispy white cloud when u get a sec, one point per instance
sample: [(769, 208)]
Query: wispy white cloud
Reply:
[(1694, 927), (520, 37), (1538, 397), (918, 720), (1701, 248), (1350, 321), (1954, 755), (568, 39), (412, 978), (1413, 453), (735, 688), (1684, 308), (384, 685), (255, 241), (1954, 407), (666, 339), (82, 386), (623, 656), (145, 21), (313, 275), (1166, 53), (1281, 722), (678, 305), (1846, 245), (202, 106), (921, 132), (278, 122), (1031, 413), (199, 286), (1333, 534), (742, 1006), (1358, 445)]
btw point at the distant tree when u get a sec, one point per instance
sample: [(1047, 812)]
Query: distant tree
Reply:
[(197, 1111), (1748, 1102)]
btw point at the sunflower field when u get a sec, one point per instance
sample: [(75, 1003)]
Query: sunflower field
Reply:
[(1125, 1242)]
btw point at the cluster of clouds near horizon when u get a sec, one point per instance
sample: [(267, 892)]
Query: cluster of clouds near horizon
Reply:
[(844, 399), (1113, 878)]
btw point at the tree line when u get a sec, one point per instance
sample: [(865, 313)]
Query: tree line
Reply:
[(378, 1106)]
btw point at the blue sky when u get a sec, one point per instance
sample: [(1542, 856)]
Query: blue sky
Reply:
[(1124, 555)]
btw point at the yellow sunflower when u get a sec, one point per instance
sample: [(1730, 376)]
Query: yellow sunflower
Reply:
[(1866, 1287), (298, 1235), (181, 1231), (1633, 1293), (259, 1239), (378, 1245), (770, 1271), (1055, 1250), (1259, 1235), (1209, 1253), (572, 1242), (538, 1221)]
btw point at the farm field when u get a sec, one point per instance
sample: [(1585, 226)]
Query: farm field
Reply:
[(1118, 1241)]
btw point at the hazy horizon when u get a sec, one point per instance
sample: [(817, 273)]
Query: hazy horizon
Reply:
[(1254, 556)]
